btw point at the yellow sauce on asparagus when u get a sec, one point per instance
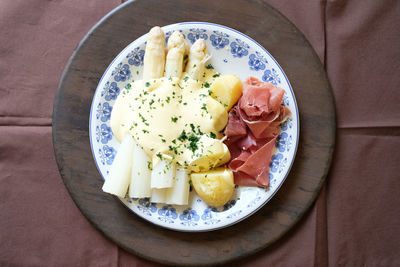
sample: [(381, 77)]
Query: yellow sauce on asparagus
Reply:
[(169, 117)]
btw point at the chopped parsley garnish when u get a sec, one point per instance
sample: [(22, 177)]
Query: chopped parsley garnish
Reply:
[(186, 78), (173, 148), (128, 86), (147, 84), (168, 99), (159, 155), (174, 119), (182, 137), (209, 67), (149, 165), (212, 135), (204, 107), (145, 131), (216, 75), (209, 92), (206, 85), (193, 142), (143, 119)]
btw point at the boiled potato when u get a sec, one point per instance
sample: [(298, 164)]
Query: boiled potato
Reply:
[(218, 113), (210, 153), (227, 89), (214, 187), (225, 158)]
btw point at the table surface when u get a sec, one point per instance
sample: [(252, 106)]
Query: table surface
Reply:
[(355, 220)]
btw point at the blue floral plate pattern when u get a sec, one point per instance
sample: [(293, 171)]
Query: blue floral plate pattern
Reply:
[(231, 53)]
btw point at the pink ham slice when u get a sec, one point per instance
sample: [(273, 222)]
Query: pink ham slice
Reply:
[(235, 128), (252, 129), (254, 165)]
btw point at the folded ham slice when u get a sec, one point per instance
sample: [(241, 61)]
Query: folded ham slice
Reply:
[(252, 129)]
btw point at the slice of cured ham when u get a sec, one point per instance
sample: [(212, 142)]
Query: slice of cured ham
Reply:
[(253, 125)]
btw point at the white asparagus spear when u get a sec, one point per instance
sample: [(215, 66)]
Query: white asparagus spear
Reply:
[(158, 195), (176, 51), (141, 174), (179, 194), (163, 173), (197, 59), (154, 56), (117, 182)]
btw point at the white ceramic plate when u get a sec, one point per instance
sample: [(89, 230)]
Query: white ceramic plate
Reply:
[(232, 53)]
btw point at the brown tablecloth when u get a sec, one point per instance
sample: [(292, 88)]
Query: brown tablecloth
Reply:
[(356, 219)]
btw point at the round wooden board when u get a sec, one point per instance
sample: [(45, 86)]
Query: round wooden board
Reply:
[(78, 170)]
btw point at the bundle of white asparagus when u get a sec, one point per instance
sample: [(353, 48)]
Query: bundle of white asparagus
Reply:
[(164, 182)]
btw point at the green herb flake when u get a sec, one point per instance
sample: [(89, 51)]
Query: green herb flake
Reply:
[(128, 86), (173, 148), (193, 142), (182, 137), (174, 119), (212, 135), (216, 75), (209, 67), (147, 84), (186, 78)]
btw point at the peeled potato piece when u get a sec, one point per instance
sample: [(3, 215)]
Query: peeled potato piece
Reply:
[(209, 154), (219, 114), (227, 89), (214, 187)]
